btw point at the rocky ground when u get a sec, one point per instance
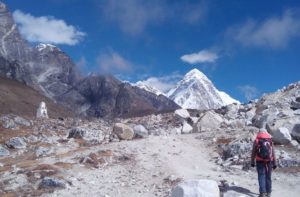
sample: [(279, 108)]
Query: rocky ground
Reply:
[(150, 155)]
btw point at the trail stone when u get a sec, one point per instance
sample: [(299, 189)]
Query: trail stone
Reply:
[(196, 188), (140, 131), (43, 151), (3, 151), (49, 182), (22, 121), (9, 124), (282, 136), (16, 143), (123, 131), (77, 133)]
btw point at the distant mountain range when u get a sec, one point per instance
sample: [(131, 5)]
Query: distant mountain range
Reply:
[(194, 91), (52, 72)]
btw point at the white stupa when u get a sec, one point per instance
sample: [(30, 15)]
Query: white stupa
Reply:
[(42, 111)]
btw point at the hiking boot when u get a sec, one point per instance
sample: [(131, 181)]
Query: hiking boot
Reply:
[(268, 194), (263, 195)]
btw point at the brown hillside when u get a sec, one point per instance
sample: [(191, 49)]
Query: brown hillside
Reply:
[(19, 99)]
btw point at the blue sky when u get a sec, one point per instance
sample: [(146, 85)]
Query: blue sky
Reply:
[(245, 47)]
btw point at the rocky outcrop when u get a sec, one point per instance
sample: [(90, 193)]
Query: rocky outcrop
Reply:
[(105, 96), (191, 188)]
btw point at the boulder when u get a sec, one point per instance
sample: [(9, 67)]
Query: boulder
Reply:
[(16, 143), (232, 111), (295, 105), (3, 151), (196, 188), (77, 133), (239, 147), (296, 132), (123, 131), (42, 111), (209, 121), (294, 143), (22, 121), (186, 128), (49, 182), (282, 136), (9, 124), (268, 116), (182, 113), (140, 131), (237, 123), (43, 151)]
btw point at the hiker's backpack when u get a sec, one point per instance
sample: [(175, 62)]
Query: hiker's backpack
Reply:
[(264, 149)]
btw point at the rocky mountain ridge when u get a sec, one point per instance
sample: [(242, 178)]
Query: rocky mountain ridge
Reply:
[(52, 72)]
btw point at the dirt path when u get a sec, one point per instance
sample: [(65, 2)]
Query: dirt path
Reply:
[(157, 163)]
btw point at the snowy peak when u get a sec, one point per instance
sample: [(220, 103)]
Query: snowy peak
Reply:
[(148, 88), (49, 47), (196, 91), (194, 74)]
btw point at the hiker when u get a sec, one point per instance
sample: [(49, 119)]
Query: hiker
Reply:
[(264, 156)]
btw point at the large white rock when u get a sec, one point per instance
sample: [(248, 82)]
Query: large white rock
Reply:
[(42, 111), (209, 121), (183, 113), (186, 128), (123, 131), (233, 194), (140, 131), (196, 188), (282, 136)]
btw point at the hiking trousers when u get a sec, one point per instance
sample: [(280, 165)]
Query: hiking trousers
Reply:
[(264, 171)]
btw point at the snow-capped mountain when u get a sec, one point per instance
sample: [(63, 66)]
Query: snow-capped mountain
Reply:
[(196, 91), (148, 88), (50, 47)]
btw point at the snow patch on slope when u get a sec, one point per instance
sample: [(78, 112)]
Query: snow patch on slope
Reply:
[(42, 46), (148, 88)]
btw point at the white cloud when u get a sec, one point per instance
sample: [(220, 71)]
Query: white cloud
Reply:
[(46, 29), (203, 56), (249, 92), (134, 16), (164, 83), (275, 32), (112, 62)]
